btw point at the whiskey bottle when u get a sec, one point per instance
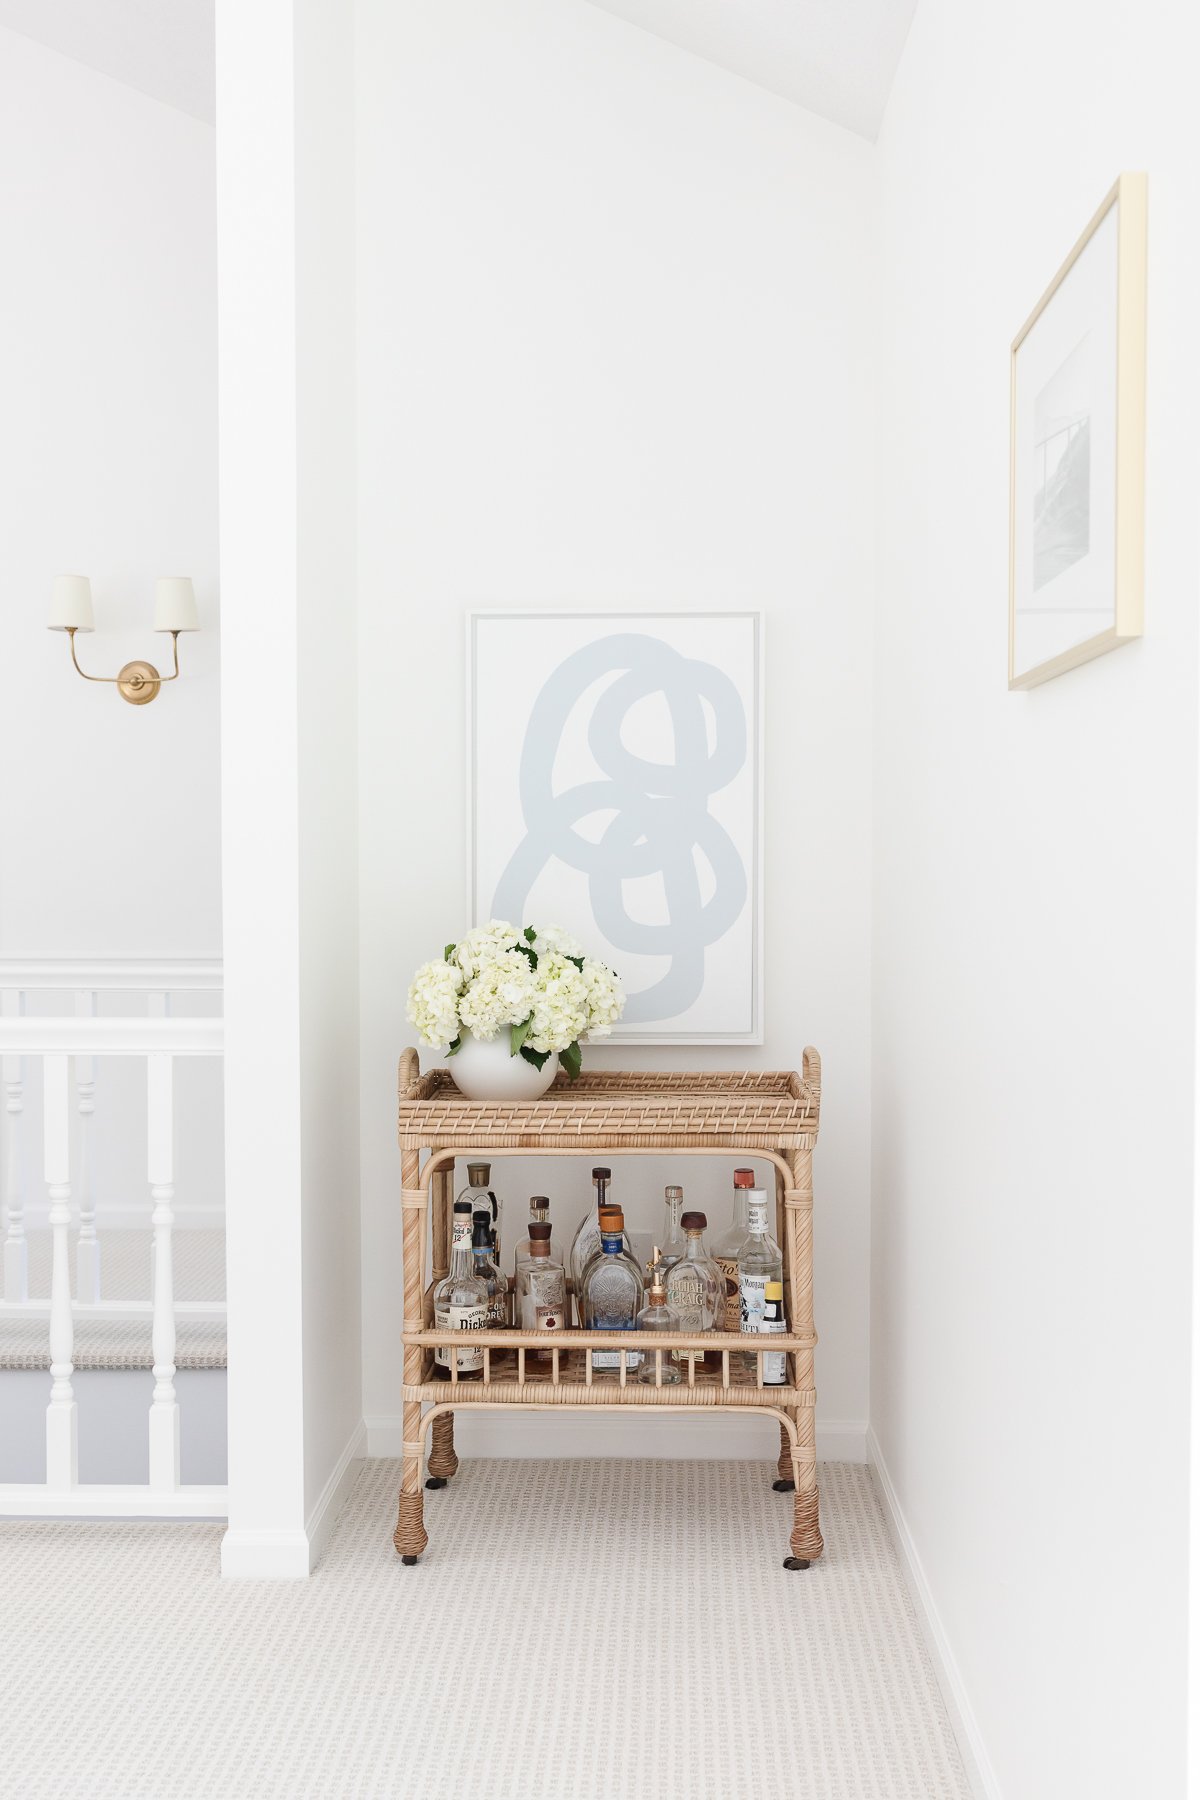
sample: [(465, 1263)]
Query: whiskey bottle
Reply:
[(656, 1315), (539, 1212), (612, 1292), (488, 1273), (541, 1294), (726, 1247), (460, 1300), (696, 1290)]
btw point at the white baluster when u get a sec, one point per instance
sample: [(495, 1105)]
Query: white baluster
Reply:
[(87, 1249), (16, 1250), (164, 1408), (62, 1431)]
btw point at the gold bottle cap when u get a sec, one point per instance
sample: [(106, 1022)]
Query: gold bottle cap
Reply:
[(774, 1290), (674, 1193), (479, 1174)]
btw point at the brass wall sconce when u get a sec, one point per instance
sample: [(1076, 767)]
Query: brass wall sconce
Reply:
[(174, 611)]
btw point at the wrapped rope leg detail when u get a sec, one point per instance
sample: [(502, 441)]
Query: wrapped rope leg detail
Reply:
[(409, 1536), (442, 1461), (806, 1537)]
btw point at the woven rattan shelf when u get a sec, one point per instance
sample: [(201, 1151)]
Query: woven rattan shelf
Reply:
[(773, 1115)]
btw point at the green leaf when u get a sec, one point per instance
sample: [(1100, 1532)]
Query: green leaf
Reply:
[(530, 933), (520, 1033), (539, 1058), (572, 1059), (454, 1048), (578, 961), (526, 951), (448, 952)]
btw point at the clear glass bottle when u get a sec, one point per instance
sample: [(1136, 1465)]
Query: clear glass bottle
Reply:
[(760, 1260), (460, 1300), (773, 1323), (674, 1243), (479, 1192), (541, 1291), (656, 1315), (612, 1293), (585, 1245), (539, 1213), (485, 1268), (724, 1249), (696, 1290)]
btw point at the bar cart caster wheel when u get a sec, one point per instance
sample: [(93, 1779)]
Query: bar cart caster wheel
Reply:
[(789, 1562), (408, 1561), (435, 1481), (784, 1487)]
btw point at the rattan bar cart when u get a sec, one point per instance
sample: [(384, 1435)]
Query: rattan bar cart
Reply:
[(772, 1116)]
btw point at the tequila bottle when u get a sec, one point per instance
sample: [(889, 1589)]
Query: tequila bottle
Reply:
[(674, 1243), (539, 1212), (478, 1192), (612, 1292), (460, 1300), (488, 1273), (656, 1315), (725, 1248), (696, 1290), (541, 1295), (586, 1243)]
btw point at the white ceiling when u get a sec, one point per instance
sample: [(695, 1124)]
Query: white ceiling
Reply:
[(835, 57), (163, 47)]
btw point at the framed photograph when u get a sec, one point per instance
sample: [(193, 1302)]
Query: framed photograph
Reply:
[(1077, 451), (615, 770)]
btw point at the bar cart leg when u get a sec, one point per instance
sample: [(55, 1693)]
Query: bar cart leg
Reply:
[(409, 1536), (442, 1461), (786, 1481), (806, 1540)]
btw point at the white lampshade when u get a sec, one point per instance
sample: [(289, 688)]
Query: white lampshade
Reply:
[(71, 607), (175, 604)]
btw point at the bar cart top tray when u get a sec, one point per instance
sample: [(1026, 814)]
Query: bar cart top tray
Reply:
[(629, 1109)]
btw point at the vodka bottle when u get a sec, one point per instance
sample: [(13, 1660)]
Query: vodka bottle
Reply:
[(612, 1292), (460, 1300), (541, 1293), (539, 1211), (760, 1261), (479, 1192), (656, 1315), (488, 1273), (696, 1290), (725, 1248)]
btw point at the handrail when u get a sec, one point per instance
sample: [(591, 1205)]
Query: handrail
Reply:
[(111, 1037), (134, 974)]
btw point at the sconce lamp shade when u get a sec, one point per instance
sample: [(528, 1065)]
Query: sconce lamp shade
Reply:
[(175, 604), (71, 607)]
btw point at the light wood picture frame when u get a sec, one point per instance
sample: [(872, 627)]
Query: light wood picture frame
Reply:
[(1077, 451)]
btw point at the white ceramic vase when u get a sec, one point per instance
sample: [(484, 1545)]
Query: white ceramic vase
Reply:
[(484, 1070)]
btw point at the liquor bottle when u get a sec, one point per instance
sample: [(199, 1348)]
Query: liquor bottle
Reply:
[(612, 1292), (586, 1243), (485, 1268), (760, 1260), (541, 1294), (460, 1300), (674, 1243), (696, 1290), (773, 1323), (539, 1211), (725, 1248), (656, 1315), (479, 1192)]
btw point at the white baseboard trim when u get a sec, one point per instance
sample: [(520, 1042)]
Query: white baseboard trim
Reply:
[(293, 1555), (954, 1690), (673, 1437), (96, 1500), (335, 1493)]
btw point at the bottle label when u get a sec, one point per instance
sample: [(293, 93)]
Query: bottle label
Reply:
[(611, 1359), (753, 1300), (774, 1369), (543, 1302), (728, 1266), (460, 1318), (463, 1231)]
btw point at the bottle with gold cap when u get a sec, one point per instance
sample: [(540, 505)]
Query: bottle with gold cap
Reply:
[(773, 1323), (656, 1315), (479, 1192), (724, 1249)]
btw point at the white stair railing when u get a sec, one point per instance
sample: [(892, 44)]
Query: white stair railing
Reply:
[(87, 1247), (53, 1042), (16, 1249)]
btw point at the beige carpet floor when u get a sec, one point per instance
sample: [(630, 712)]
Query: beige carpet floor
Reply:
[(575, 1631)]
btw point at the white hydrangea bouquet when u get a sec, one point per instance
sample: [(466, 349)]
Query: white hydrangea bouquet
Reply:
[(534, 983)]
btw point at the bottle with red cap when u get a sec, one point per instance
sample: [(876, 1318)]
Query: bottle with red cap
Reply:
[(724, 1249)]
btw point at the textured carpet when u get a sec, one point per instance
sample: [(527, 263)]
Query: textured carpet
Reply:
[(575, 1630), (198, 1268)]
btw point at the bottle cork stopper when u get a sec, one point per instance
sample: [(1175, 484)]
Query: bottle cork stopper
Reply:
[(539, 1232), (743, 1178), (694, 1221)]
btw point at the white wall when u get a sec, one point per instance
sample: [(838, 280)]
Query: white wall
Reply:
[(1033, 940), (612, 312), (109, 814)]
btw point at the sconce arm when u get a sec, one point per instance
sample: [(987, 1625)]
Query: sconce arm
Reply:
[(115, 680)]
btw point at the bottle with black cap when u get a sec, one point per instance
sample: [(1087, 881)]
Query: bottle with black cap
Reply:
[(485, 1268), (460, 1300)]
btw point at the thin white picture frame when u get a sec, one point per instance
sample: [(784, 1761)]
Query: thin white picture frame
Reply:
[(476, 913)]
